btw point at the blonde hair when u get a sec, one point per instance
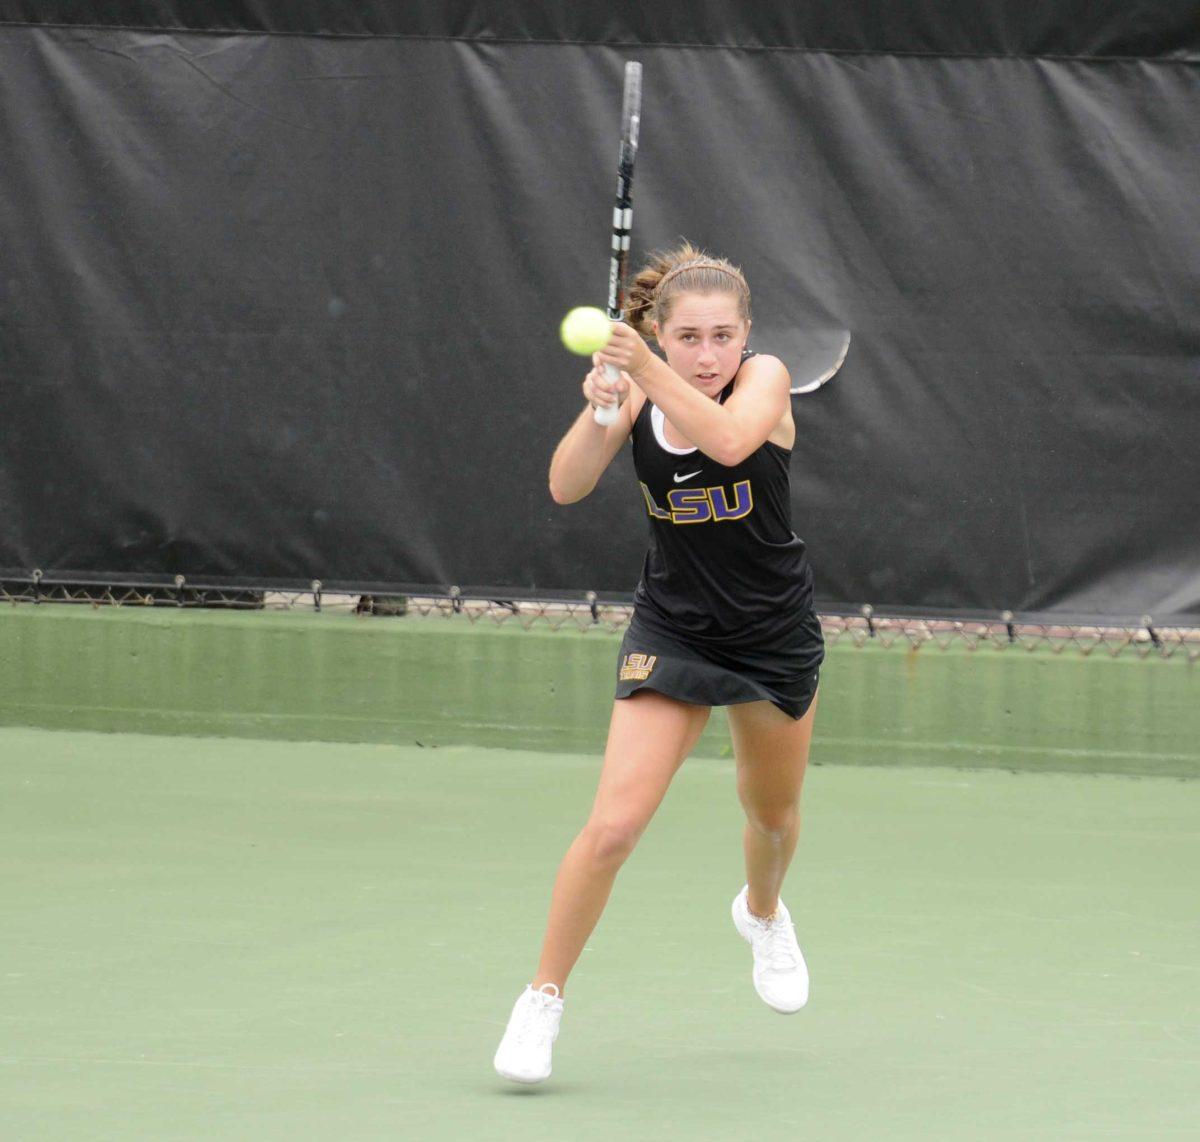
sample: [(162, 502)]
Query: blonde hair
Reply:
[(670, 273)]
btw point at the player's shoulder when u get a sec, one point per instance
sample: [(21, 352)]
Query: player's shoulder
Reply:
[(764, 367), (758, 361)]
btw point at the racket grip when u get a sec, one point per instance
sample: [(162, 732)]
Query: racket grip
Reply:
[(607, 414)]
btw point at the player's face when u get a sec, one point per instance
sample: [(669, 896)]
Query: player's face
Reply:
[(703, 338)]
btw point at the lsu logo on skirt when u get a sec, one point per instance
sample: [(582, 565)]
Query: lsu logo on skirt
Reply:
[(637, 667)]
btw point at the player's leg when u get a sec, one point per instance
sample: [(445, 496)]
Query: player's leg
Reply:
[(771, 750), (648, 738)]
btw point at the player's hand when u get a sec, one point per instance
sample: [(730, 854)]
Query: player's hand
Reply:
[(599, 391), (626, 350)]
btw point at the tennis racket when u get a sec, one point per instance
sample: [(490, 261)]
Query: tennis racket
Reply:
[(618, 263), (818, 358)]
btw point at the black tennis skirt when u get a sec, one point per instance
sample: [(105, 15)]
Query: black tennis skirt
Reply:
[(786, 673)]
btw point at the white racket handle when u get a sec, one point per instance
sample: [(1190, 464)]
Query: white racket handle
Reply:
[(607, 414)]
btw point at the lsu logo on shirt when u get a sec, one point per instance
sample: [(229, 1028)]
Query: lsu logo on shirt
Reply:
[(637, 667), (703, 505)]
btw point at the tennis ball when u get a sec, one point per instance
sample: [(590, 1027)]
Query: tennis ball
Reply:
[(585, 330)]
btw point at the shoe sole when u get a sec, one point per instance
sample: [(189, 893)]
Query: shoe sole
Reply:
[(522, 1079)]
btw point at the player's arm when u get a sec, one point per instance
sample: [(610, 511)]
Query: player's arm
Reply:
[(588, 448), (729, 432)]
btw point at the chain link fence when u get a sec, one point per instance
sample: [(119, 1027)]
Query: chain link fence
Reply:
[(860, 628)]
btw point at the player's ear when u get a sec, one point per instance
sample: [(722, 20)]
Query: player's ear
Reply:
[(657, 333)]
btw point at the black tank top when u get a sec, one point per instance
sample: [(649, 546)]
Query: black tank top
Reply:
[(724, 565)]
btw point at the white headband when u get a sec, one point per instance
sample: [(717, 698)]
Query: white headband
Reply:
[(699, 264)]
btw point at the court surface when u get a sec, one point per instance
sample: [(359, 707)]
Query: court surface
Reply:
[(229, 939)]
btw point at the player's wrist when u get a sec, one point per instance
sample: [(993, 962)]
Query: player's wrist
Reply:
[(639, 368)]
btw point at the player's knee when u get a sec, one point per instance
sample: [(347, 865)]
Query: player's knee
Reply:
[(776, 823), (612, 839)]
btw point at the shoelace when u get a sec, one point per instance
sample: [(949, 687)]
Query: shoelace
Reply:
[(777, 944), (534, 1026)]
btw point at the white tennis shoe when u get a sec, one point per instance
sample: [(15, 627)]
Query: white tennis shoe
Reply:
[(780, 973), (524, 1052)]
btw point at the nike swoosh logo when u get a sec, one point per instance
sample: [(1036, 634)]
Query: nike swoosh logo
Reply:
[(688, 476)]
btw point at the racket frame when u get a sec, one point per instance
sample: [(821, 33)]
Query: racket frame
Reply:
[(622, 224)]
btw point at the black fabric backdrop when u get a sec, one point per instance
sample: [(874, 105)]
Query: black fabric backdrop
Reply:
[(1094, 28), (276, 307)]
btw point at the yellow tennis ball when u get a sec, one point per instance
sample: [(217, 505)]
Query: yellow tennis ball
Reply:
[(585, 330)]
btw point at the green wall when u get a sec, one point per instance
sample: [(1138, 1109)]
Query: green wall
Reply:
[(436, 681)]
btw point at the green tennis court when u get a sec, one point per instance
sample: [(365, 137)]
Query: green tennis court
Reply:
[(235, 937)]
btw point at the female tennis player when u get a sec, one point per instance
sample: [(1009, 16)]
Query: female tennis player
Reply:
[(723, 616)]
